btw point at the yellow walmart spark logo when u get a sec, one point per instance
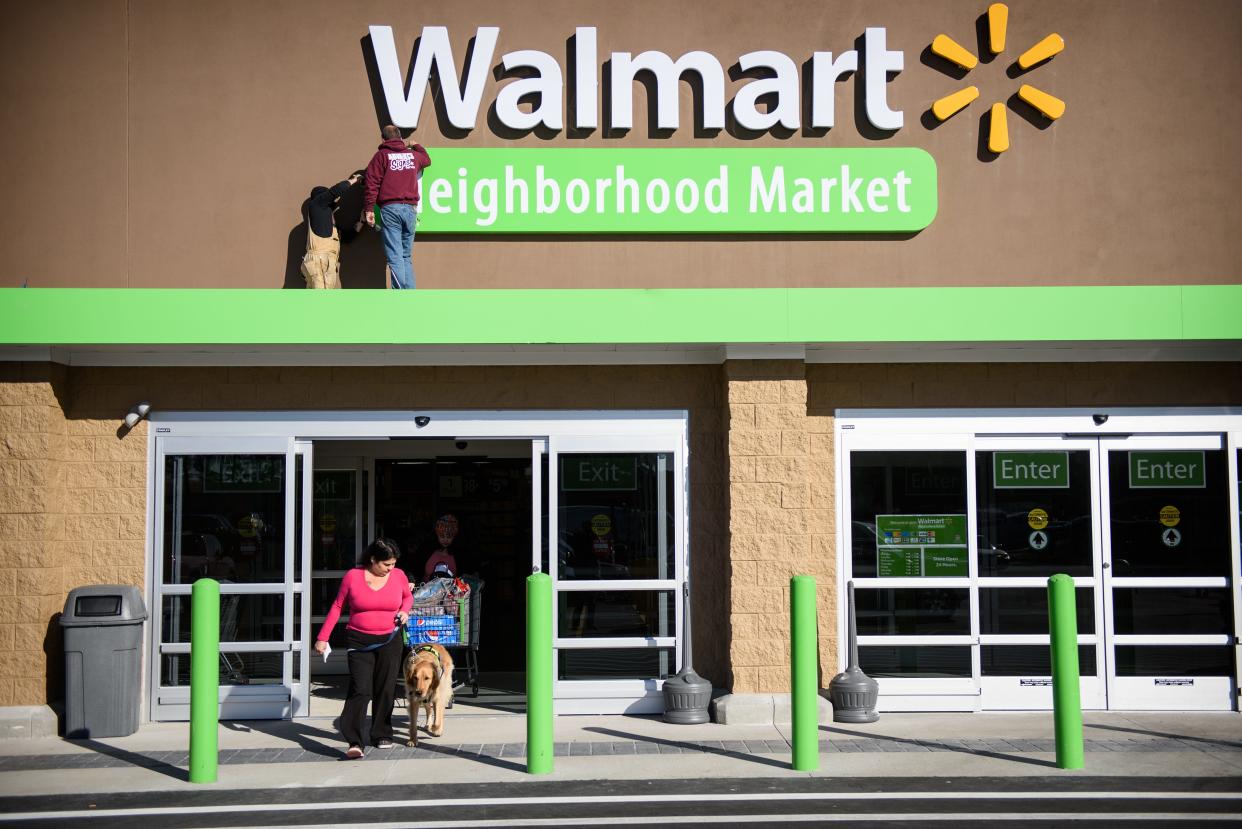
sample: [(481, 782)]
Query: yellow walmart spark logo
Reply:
[(998, 21)]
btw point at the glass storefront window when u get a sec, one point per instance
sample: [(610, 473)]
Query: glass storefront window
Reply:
[(1174, 660), (1041, 525), (614, 663), (915, 661), (1172, 610), (224, 518), (594, 614), (912, 612), (1024, 610), (615, 516), (235, 669), (909, 485), (243, 618), (334, 533), (1030, 660), (1180, 530)]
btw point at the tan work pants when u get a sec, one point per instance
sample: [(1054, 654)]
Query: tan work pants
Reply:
[(321, 269)]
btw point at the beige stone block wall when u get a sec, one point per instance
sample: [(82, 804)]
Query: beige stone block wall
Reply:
[(34, 563), (781, 518)]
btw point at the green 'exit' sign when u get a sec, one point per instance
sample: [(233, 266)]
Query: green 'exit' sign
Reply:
[(599, 472), (1030, 470), (1167, 470)]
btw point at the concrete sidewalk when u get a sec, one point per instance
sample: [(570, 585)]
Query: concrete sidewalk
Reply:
[(481, 747)]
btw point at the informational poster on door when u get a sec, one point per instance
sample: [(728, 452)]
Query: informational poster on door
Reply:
[(915, 546)]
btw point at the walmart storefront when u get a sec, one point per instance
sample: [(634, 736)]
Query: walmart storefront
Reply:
[(671, 359)]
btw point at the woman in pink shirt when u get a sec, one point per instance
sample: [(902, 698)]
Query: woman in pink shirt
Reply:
[(379, 605)]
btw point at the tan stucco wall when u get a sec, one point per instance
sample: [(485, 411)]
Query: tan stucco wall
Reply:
[(781, 519), (37, 561), (191, 134)]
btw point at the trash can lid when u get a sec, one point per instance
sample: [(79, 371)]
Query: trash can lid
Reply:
[(103, 604)]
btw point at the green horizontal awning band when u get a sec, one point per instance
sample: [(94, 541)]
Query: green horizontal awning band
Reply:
[(123, 316)]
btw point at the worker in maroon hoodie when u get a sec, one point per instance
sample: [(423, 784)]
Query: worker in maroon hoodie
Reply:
[(392, 189)]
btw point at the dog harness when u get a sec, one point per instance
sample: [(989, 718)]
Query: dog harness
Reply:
[(429, 649)]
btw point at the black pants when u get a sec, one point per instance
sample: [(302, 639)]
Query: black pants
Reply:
[(373, 679)]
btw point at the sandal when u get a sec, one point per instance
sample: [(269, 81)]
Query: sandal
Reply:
[(354, 753)]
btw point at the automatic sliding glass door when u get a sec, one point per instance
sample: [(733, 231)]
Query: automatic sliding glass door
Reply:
[(1036, 502), (616, 528), (1167, 587), (229, 509), (953, 537)]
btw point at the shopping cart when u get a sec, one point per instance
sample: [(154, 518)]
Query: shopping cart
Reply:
[(447, 612)]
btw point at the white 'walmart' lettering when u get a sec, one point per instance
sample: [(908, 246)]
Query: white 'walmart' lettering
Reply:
[(462, 93)]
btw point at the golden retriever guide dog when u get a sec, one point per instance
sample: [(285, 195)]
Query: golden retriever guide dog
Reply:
[(429, 684)]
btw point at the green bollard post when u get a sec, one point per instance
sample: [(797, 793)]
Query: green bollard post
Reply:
[(539, 674), (804, 672), (1066, 703), (204, 680)]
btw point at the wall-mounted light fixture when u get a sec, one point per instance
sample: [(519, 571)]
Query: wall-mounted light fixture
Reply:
[(136, 414)]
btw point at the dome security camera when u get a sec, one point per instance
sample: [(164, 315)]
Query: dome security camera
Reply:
[(421, 421), (1100, 419), (461, 445)]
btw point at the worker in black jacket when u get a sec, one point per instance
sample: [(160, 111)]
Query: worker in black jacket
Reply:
[(321, 266)]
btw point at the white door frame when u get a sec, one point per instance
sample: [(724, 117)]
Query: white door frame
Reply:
[(260, 701), (965, 430), (630, 696), (637, 430)]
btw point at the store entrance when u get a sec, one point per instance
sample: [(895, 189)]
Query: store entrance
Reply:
[(1142, 524), (956, 525), (398, 489)]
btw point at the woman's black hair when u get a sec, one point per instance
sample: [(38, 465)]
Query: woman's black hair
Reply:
[(381, 549)]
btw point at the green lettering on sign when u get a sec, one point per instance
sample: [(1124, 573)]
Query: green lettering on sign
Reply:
[(1030, 470), (921, 545), (710, 190), (598, 473), (1167, 470), (334, 485), (244, 473)]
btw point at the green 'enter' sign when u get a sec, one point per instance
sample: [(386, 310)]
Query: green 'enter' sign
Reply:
[(1030, 470), (1173, 470)]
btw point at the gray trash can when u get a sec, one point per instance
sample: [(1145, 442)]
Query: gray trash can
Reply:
[(103, 660)]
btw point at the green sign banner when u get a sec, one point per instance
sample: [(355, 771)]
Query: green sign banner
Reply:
[(1030, 470), (1167, 470), (598, 473), (921, 545), (708, 190)]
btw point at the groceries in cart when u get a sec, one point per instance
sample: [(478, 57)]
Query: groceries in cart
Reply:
[(438, 613)]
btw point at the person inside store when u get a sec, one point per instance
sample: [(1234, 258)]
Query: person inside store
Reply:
[(391, 189), (379, 606), (442, 562), (321, 265)]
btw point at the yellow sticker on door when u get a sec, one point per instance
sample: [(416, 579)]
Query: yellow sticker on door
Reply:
[(1037, 519), (1170, 516)]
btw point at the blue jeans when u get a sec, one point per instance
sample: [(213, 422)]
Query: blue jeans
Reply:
[(398, 233)]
